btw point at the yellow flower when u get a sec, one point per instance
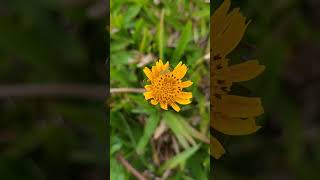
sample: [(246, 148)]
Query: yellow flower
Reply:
[(166, 86), (231, 115)]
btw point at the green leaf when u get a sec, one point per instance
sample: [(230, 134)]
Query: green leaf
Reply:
[(161, 36), (194, 132), (144, 41), (179, 159), (182, 43), (174, 123), (131, 13), (149, 129)]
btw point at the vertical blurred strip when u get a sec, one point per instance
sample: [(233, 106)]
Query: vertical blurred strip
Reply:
[(108, 83)]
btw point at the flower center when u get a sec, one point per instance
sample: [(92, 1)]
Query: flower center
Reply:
[(166, 87)]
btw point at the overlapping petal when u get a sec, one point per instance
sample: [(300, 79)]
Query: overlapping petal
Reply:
[(230, 114), (166, 86)]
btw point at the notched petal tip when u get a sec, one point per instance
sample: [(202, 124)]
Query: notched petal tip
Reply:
[(148, 95), (175, 107), (186, 84), (183, 101), (164, 106), (216, 148), (147, 72), (154, 102), (148, 87)]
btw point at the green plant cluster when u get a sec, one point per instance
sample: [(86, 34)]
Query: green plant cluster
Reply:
[(141, 32)]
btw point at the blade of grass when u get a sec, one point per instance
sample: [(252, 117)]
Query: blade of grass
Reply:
[(182, 43), (161, 36), (179, 159), (144, 40), (149, 129), (195, 133), (177, 127)]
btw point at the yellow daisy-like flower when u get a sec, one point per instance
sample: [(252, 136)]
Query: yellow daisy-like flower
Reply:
[(231, 114), (166, 86)]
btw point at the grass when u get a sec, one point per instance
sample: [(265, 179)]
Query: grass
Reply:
[(142, 31)]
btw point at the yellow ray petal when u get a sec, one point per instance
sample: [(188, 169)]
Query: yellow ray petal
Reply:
[(219, 16), (177, 68), (241, 72), (175, 107), (148, 95), (181, 71), (154, 102), (159, 65), (154, 70), (164, 106), (234, 126), (182, 101), (239, 107), (165, 66), (231, 37), (147, 72), (148, 87), (216, 149), (185, 95), (186, 84)]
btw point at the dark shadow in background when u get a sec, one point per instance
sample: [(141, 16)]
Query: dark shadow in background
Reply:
[(53, 87), (285, 37)]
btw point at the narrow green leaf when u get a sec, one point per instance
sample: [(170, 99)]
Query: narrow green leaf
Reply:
[(149, 129), (184, 143), (144, 40), (131, 13), (195, 133), (182, 43), (161, 36), (175, 124), (179, 159)]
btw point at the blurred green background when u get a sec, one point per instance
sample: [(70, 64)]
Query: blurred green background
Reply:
[(284, 36), (141, 32), (65, 41), (53, 42)]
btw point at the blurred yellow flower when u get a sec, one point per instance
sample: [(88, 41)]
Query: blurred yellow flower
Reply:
[(230, 114), (166, 86)]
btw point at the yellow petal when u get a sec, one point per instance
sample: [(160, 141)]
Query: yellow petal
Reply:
[(180, 72), (166, 65), (148, 95), (182, 101), (239, 107), (159, 65), (175, 107), (216, 149), (234, 126), (185, 95), (154, 70), (154, 102), (177, 66), (147, 72), (186, 84), (218, 17), (148, 87), (231, 37), (241, 72), (164, 106), (176, 69)]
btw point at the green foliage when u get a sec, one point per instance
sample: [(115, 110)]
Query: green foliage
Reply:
[(173, 31)]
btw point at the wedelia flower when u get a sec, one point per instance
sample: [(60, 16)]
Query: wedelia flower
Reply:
[(166, 86), (230, 114)]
